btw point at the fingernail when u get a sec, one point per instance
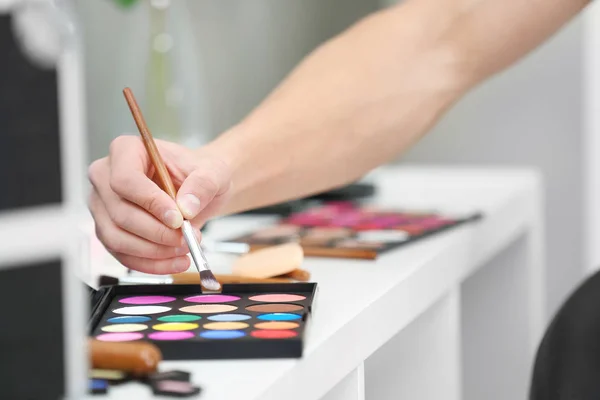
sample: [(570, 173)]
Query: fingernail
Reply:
[(182, 251), (189, 205), (181, 264), (173, 219)]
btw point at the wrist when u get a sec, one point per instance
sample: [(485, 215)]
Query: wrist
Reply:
[(249, 161)]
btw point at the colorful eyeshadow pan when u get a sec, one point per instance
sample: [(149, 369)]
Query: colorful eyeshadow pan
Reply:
[(142, 310), (128, 319), (181, 335), (357, 244), (175, 326), (411, 229), (108, 374), (274, 334), (174, 389), (142, 300), (224, 326), (279, 317), (383, 236), (124, 328), (98, 386), (327, 233), (271, 308), (119, 337), (276, 325), (276, 232), (212, 298), (208, 308), (172, 375), (277, 298), (179, 318), (229, 317), (222, 334)]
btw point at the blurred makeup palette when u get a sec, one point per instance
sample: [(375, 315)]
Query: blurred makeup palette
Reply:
[(346, 230)]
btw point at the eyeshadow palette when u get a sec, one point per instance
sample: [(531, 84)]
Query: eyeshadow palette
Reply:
[(347, 230), (242, 321)]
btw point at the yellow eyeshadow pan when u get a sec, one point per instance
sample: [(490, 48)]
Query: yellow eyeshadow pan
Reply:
[(175, 326), (109, 374)]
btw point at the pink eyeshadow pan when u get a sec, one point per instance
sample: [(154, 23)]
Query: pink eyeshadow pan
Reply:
[(139, 300), (212, 298), (277, 298), (119, 337), (171, 335)]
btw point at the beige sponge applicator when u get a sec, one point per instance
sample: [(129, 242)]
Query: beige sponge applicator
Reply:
[(272, 261)]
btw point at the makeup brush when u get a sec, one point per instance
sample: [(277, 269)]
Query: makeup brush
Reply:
[(206, 276)]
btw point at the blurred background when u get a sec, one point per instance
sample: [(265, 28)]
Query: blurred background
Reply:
[(231, 53)]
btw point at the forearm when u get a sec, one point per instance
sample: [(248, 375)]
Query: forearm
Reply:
[(365, 96)]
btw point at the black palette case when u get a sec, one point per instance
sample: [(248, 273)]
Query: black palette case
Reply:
[(197, 347)]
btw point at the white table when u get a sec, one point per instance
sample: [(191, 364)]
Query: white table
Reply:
[(455, 316)]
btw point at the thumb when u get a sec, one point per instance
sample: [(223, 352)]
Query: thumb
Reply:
[(199, 189)]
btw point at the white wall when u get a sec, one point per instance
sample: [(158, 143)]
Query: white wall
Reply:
[(530, 115), (591, 164), (248, 47)]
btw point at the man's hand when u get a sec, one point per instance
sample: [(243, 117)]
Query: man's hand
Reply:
[(136, 220)]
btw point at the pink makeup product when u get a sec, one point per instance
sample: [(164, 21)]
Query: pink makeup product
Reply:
[(345, 230)]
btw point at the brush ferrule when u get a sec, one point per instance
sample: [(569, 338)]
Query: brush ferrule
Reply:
[(195, 249)]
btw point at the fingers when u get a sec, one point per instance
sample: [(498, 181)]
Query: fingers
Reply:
[(159, 267), (118, 240), (128, 179), (209, 180), (211, 210), (129, 216)]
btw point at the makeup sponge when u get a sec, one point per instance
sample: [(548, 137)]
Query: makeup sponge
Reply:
[(269, 262)]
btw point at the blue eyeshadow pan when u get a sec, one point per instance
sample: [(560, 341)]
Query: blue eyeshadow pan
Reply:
[(222, 334), (229, 317), (279, 317)]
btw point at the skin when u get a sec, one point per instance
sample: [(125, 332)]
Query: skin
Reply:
[(367, 95)]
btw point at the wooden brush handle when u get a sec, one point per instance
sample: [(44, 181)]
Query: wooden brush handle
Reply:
[(138, 358), (193, 278), (298, 275), (151, 149)]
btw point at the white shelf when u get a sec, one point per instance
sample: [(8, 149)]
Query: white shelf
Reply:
[(363, 304)]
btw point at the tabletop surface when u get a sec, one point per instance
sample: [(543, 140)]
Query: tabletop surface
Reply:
[(363, 303)]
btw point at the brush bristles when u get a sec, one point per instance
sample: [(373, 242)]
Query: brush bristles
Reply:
[(209, 281)]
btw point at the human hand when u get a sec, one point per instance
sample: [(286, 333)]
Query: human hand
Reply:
[(136, 220)]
